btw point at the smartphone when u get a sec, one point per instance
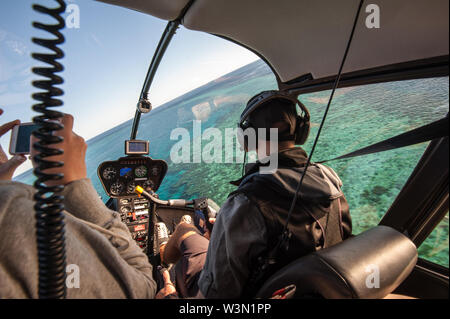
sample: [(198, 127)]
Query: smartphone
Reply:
[(20, 138)]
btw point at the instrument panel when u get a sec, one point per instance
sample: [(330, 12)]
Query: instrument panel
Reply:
[(135, 213), (120, 178)]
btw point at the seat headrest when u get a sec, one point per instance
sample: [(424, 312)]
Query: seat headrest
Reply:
[(369, 265)]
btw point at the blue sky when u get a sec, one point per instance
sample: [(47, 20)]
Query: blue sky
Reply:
[(105, 62)]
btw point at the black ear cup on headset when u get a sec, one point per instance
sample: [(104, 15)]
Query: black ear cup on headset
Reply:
[(302, 126), (302, 130)]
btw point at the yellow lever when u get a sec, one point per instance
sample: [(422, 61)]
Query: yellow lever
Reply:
[(139, 190)]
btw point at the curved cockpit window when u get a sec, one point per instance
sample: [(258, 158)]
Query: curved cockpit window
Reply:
[(363, 115), (195, 133), (359, 116)]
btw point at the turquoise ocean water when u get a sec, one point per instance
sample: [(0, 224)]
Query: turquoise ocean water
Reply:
[(358, 117)]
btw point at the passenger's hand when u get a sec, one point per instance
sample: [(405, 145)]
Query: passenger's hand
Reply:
[(7, 167), (74, 148), (169, 287)]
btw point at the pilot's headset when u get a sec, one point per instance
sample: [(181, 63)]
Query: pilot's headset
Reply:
[(298, 133)]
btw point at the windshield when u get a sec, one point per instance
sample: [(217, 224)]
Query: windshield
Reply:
[(204, 83)]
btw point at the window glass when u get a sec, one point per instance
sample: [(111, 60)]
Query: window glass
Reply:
[(363, 115), (104, 67), (435, 247), (216, 105), (359, 116), (213, 79)]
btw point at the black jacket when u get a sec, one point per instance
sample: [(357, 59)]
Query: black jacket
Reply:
[(251, 220)]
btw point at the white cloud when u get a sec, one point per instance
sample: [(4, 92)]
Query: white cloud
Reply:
[(13, 42), (17, 47)]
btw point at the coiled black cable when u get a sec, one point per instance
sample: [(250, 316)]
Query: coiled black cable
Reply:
[(49, 205)]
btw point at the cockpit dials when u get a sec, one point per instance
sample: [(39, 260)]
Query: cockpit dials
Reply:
[(141, 171), (109, 173), (120, 178), (148, 185), (117, 188), (155, 171), (131, 187)]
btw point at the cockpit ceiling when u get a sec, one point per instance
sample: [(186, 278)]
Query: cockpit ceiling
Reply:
[(299, 37), (163, 9)]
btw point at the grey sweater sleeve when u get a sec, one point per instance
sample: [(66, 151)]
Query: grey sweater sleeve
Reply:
[(82, 201), (109, 264), (238, 238)]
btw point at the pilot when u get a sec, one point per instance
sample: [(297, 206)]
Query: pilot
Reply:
[(247, 230), (102, 259)]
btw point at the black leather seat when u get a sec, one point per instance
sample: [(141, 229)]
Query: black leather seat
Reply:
[(348, 269)]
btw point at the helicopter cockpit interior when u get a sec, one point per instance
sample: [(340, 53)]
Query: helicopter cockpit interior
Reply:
[(338, 50), (121, 177), (341, 271)]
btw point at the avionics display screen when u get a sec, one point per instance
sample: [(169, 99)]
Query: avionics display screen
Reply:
[(124, 171), (136, 147)]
